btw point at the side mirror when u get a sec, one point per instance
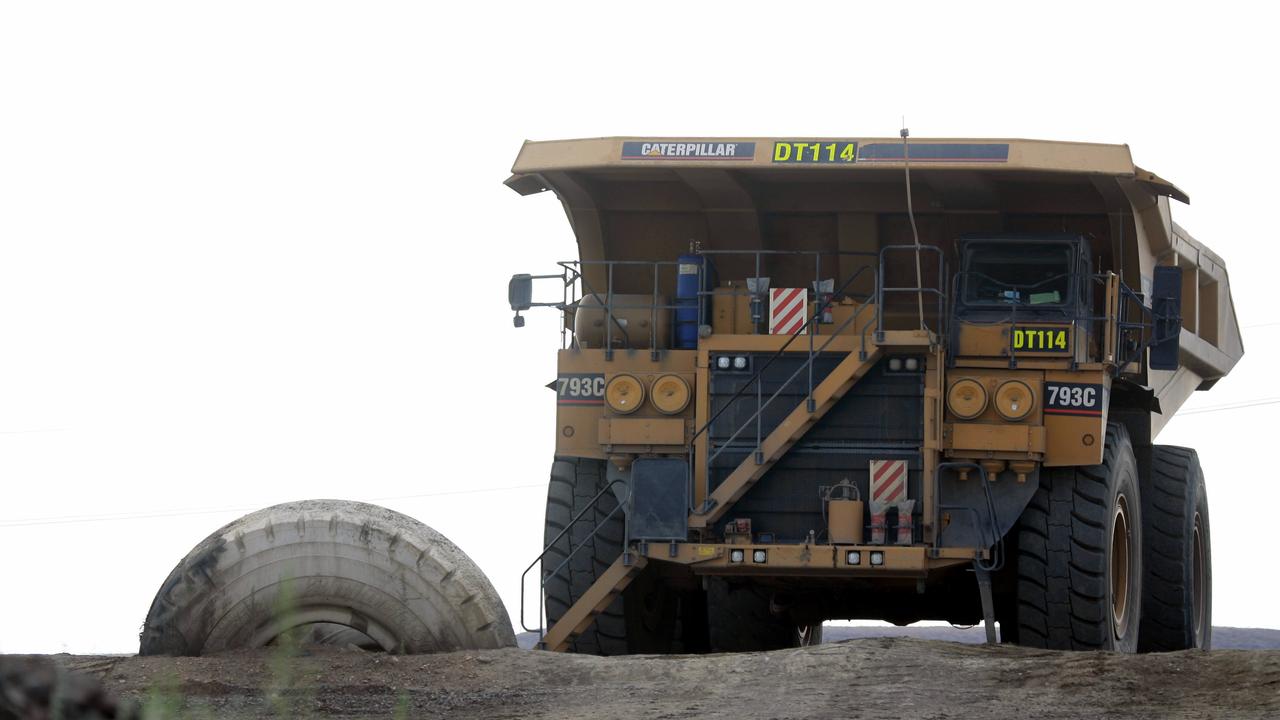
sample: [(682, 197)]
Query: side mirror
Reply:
[(520, 292), (1166, 311)]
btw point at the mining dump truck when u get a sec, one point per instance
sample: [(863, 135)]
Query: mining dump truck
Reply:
[(805, 379)]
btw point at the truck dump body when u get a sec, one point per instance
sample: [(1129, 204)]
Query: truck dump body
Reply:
[(647, 199), (802, 369)]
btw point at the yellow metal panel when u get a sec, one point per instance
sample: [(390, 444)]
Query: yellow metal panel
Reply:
[(982, 437), (642, 431), (578, 426), (1076, 440), (808, 560)]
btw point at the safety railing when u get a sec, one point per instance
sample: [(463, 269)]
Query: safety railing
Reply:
[(564, 564), (575, 277), (920, 290)]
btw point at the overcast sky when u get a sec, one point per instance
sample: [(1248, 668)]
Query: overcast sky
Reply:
[(253, 252)]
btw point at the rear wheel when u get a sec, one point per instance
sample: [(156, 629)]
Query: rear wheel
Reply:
[(1177, 587), (1079, 558), (741, 618)]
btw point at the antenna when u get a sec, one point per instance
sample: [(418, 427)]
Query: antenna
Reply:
[(911, 215)]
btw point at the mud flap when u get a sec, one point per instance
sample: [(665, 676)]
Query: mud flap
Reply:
[(966, 517)]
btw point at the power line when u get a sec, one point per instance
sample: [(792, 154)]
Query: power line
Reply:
[(109, 517), (1229, 406)]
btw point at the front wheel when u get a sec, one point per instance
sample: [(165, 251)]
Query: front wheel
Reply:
[(1080, 555)]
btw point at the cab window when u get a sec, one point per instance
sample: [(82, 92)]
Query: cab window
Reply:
[(1035, 275)]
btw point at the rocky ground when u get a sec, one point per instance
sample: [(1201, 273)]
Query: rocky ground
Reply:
[(861, 678)]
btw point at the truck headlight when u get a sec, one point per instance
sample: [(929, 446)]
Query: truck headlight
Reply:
[(624, 394), (670, 394), (967, 398), (1014, 400)]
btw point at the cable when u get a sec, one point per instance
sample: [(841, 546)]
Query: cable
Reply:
[(72, 519), (1229, 406), (911, 215)]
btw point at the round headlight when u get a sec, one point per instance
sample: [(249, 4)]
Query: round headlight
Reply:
[(624, 394), (895, 364), (740, 363), (1014, 400), (670, 394), (723, 361), (967, 399)]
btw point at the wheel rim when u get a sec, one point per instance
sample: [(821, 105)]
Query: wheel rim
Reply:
[(1120, 566), (1197, 580), (807, 634)]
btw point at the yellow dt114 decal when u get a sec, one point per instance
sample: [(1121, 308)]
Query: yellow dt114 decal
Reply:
[(799, 151), (1041, 339)]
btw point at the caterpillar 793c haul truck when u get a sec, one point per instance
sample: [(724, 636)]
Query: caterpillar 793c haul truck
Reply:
[(805, 379)]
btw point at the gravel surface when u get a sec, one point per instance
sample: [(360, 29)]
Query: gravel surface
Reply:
[(863, 678)]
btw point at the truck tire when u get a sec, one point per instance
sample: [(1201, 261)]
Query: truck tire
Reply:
[(325, 561), (740, 618), (1079, 555), (645, 617), (1177, 585), (574, 482)]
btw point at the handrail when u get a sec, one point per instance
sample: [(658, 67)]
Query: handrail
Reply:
[(778, 353), (998, 558), (761, 405), (808, 361), (573, 551), (918, 291)]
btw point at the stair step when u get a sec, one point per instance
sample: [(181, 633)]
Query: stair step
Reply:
[(828, 392), (602, 592)]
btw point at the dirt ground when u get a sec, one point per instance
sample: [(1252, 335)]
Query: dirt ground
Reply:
[(870, 678)]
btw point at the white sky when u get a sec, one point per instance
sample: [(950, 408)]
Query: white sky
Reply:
[(253, 252)]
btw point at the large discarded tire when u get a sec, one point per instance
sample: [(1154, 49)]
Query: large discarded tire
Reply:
[(1177, 587), (740, 618), (325, 561), (1079, 561)]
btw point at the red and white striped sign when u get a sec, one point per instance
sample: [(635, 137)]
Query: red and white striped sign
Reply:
[(787, 310), (888, 481)]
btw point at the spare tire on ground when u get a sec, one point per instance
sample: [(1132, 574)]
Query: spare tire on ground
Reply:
[(325, 562)]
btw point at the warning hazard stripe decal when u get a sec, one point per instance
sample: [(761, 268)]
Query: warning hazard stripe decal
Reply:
[(786, 310), (888, 480)]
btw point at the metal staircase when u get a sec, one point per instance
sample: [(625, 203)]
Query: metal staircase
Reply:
[(786, 434), (602, 592)]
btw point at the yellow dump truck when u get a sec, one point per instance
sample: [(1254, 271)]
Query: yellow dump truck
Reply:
[(806, 379)]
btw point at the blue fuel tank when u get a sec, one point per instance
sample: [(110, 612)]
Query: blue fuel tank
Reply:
[(692, 276)]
